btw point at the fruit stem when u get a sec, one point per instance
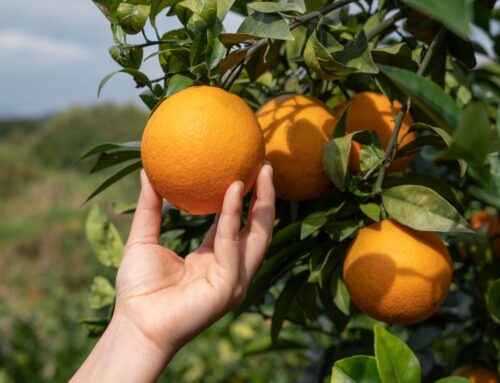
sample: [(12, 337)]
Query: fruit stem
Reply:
[(388, 154)]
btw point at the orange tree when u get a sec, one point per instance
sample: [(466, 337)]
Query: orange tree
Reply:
[(383, 132)]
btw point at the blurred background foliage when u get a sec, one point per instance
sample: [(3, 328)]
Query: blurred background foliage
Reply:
[(47, 265)]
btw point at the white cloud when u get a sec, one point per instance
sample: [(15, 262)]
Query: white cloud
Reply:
[(40, 48)]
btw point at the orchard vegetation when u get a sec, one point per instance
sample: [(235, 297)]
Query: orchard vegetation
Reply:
[(413, 137)]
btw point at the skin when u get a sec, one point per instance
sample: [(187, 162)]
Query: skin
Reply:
[(163, 300)]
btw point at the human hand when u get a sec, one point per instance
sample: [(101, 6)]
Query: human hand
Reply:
[(164, 300)]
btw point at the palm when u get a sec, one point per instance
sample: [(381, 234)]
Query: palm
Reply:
[(158, 290)]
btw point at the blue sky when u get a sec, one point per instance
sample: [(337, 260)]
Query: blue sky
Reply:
[(53, 53)]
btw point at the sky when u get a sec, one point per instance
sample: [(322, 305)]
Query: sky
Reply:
[(53, 54)]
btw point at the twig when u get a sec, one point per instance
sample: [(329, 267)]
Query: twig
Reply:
[(387, 23), (233, 76), (388, 154), (158, 42)]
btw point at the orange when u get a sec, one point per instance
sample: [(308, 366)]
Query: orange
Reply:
[(295, 129), (196, 143), (476, 374), (396, 274), (372, 112), (482, 218)]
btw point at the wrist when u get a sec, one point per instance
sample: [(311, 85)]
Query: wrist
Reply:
[(124, 354)]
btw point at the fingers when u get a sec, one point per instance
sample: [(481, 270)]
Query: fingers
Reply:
[(226, 242), (257, 234), (147, 218)]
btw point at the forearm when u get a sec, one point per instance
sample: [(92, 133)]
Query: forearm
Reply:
[(123, 354)]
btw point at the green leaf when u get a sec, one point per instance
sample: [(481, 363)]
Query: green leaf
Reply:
[(340, 294), (177, 83), (283, 304), (140, 78), (371, 210), (127, 57), (133, 145), (231, 60), (312, 223), (456, 15), (269, 7), (423, 209), (104, 238), (265, 25), (355, 369), (223, 7), (132, 18), (371, 155), (114, 178), (396, 362), (229, 39), (102, 293), (337, 62), (106, 160), (493, 300), (174, 58), (453, 379), (399, 55), (206, 9), (447, 139), (443, 188), (262, 60), (215, 49), (156, 7), (426, 94), (108, 7), (471, 140), (274, 266)]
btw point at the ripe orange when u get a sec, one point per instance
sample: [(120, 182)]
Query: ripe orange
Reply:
[(396, 274), (476, 374), (482, 218), (372, 112), (295, 129), (196, 143)]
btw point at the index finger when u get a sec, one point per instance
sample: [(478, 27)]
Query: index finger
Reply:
[(257, 234), (146, 224)]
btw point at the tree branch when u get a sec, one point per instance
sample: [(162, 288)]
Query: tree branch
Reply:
[(388, 154), (387, 23)]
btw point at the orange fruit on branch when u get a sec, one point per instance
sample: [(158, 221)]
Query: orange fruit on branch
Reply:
[(374, 112), (295, 129), (196, 143), (476, 374), (483, 218), (396, 274)]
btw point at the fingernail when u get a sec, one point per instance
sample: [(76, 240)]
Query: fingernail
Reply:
[(267, 162), (239, 187)]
